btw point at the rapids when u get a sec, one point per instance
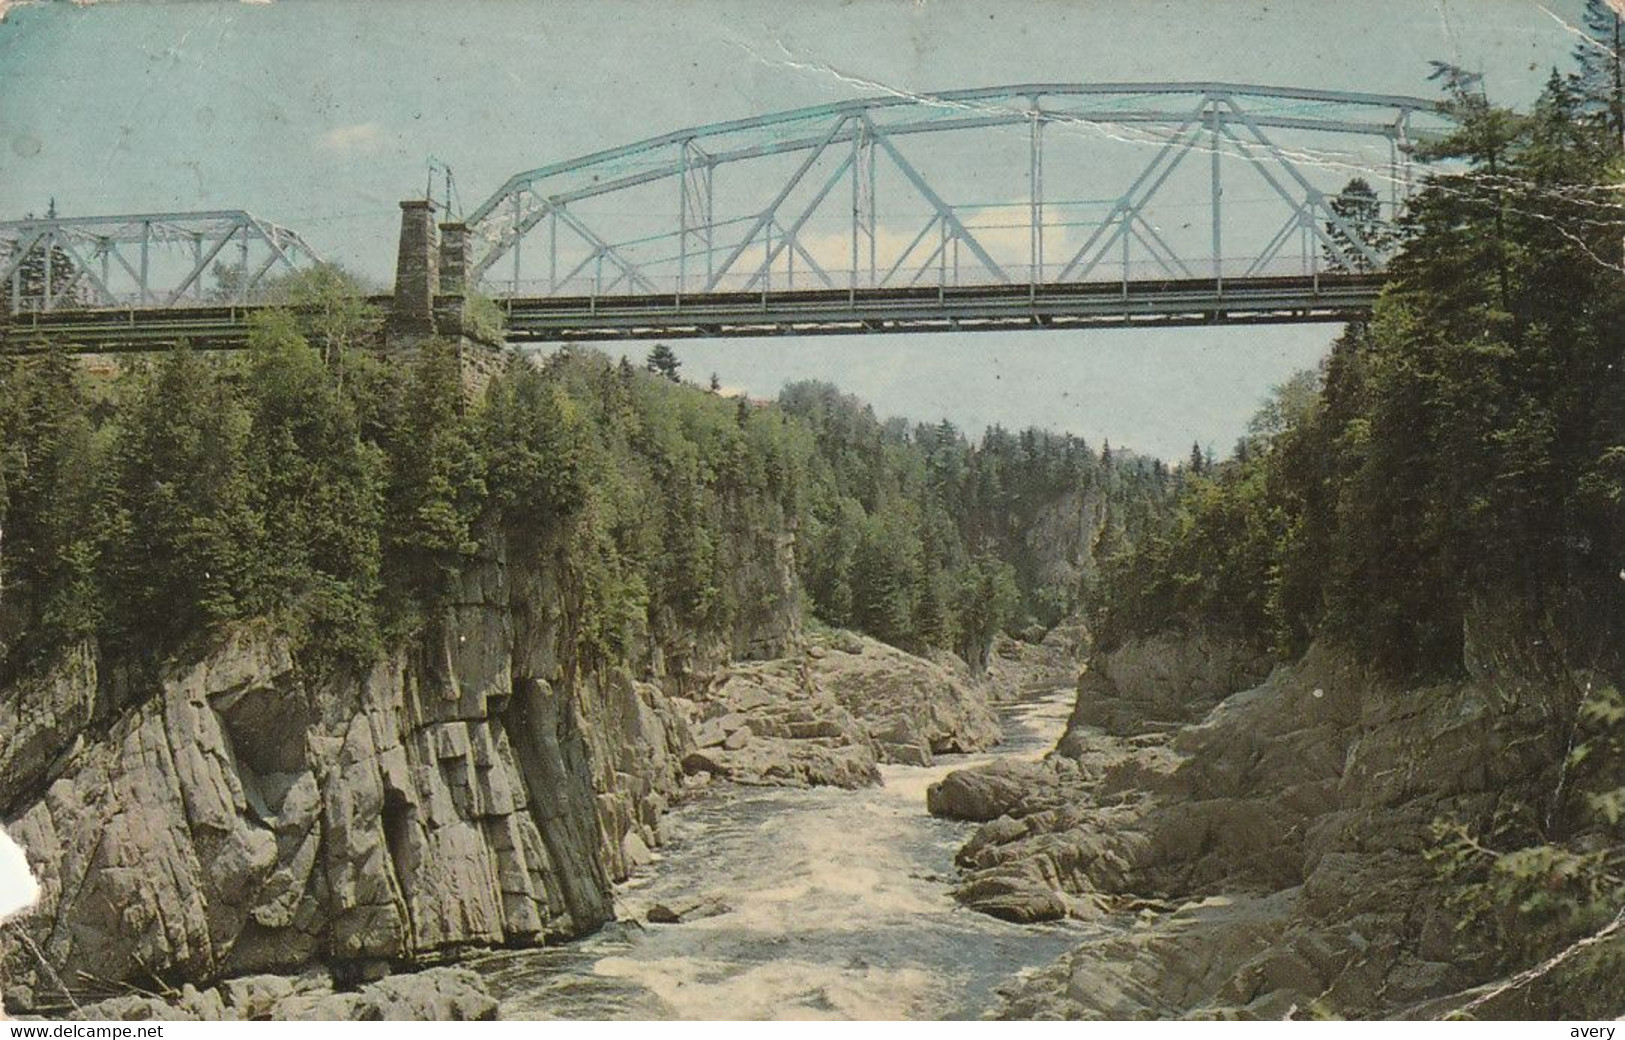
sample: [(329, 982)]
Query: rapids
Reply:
[(840, 907)]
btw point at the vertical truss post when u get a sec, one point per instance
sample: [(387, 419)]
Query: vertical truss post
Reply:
[(942, 258), (1217, 190), (1035, 199), (518, 215), (870, 206), (1404, 132), (1127, 215), (682, 219), (146, 261), (1393, 179), (553, 253), (710, 223), (694, 209)]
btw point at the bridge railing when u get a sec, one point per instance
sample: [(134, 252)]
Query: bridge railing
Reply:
[(138, 301), (611, 285)]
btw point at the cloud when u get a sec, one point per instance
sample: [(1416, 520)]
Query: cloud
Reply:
[(353, 138)]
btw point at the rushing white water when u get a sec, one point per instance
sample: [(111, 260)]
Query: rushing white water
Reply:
[(18, 889), (840, 908)]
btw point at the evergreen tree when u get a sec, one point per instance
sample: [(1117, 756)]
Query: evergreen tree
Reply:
[(188, 546), (46, 276), (1600, 80), (53, 521), (1368, 238), (663, 361)]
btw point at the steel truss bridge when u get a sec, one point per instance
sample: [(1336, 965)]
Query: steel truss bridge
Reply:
[(1041, 205)]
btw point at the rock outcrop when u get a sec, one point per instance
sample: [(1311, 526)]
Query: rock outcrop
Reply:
[(1163, 682), (831, 714), (1267, 859), (479, 786), (435, 994)]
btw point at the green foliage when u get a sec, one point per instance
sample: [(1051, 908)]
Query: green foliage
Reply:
[(50, 458), (483, 319), (895, 520), (1534, 883), (437, 490), (332, 311), (1466, 443), (1359, 238), (1599, 81), (662, 361), (344, 498)]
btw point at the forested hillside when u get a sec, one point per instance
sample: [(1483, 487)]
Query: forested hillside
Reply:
[(312, 483), (1446, 497)]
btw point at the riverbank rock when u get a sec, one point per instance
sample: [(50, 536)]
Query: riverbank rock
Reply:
[(767, 723), (984, 794), (1163, 682), (692, 908), (829, 716), (912, 708), (1268, 858), (436, 994), (478, 786)]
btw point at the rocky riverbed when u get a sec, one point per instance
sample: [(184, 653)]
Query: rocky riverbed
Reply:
[(312, 862), (800, 902), (1258, 841)]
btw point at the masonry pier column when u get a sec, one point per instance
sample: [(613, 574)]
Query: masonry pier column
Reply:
[(417, 274), (451, 301)]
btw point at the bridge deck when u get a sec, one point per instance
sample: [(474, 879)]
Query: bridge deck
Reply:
[(1237, 301)]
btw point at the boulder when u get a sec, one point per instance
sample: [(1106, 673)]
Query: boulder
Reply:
[(983, 794), (682, 911)]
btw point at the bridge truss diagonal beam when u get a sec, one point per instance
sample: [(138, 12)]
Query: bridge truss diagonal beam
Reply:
[(144, 260), (765, 188)]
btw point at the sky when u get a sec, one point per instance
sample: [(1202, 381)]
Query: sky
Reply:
[(322, 114)]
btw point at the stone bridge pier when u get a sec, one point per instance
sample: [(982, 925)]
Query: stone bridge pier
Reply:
[(431, 285)]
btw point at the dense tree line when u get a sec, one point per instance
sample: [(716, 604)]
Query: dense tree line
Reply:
[(1460, 455), (309, 483), (928, 539), (1467, 444)]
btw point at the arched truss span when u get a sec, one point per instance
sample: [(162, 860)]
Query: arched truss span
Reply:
[(144, 260), (1031, 184)]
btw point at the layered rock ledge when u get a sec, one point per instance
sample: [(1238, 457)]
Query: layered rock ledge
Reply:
[(1267, 858)]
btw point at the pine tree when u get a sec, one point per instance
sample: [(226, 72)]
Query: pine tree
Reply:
[(1359, 210), (46, 277), (663, 361), (1600, 81)]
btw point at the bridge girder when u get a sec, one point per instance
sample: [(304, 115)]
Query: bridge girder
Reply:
[(605, 232), (143, 260)]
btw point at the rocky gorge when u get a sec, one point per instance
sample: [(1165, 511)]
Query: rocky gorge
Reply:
[(478, 790), (1261, 838)]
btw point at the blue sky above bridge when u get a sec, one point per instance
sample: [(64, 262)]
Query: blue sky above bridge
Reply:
[(321, 115)]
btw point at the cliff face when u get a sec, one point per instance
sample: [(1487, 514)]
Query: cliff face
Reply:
[(1270, 854), (482, 786)]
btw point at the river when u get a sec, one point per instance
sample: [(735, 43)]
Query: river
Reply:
[(840, 908)]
